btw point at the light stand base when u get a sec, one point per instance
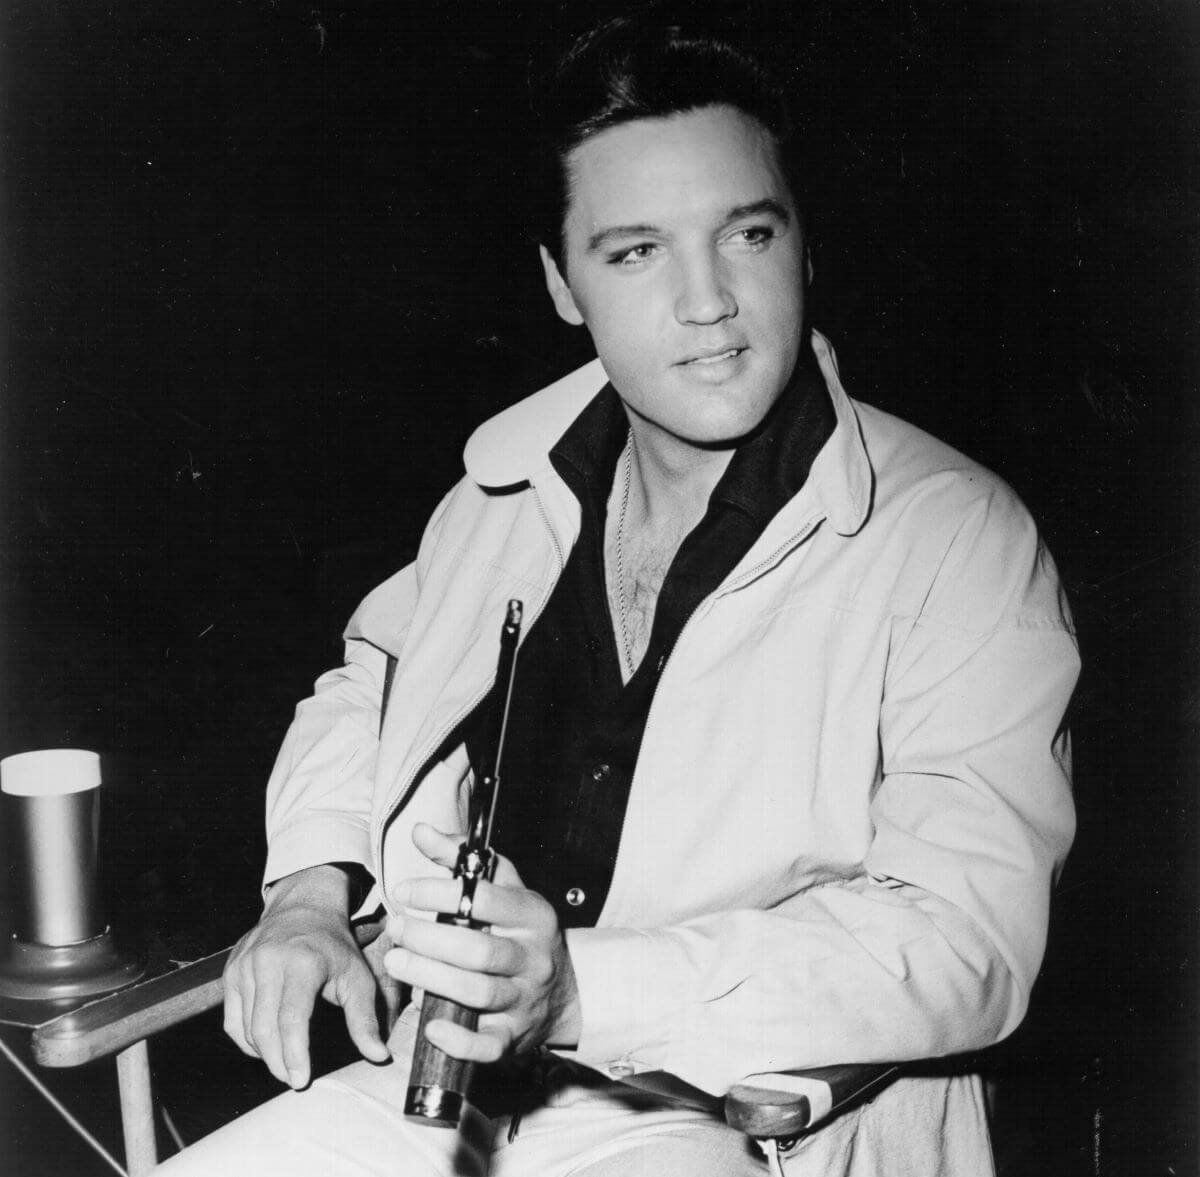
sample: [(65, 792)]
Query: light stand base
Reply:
[(47, 972)]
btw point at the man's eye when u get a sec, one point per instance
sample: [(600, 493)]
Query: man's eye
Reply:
[(755, 236), (633, 255)]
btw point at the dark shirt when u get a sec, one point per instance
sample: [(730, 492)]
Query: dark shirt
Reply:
[(575, 727)]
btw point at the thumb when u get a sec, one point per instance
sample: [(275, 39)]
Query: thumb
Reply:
[(443, 849), (356, 996), (436, 846)]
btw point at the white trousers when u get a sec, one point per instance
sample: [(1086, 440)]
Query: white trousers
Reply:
[(351, 1124)]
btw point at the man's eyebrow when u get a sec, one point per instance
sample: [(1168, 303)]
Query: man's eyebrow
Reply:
[(596, 240), (757, 208), (768, 206)]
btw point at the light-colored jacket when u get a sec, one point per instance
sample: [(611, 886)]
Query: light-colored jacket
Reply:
[(852, 795)]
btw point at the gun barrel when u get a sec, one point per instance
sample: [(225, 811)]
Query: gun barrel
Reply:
[(438, 1083)]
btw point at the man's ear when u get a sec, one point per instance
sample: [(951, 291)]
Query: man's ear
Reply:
[(560, 292)]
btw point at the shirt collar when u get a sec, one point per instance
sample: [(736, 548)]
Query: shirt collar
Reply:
[(766, 469), (514, 447), (592, 444)]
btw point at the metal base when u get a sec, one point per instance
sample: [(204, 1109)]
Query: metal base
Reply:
[(434, 1106), (47, 972)]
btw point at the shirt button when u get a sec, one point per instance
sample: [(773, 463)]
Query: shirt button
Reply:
[(575, 897), (601, 772), (621, 1070)]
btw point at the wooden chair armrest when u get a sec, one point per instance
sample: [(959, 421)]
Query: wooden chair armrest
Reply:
[(783, 1105), (110, 1024)]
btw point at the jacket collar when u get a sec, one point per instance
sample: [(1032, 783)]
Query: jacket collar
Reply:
[(514, 446)]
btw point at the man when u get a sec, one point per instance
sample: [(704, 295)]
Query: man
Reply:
[(786, 781)]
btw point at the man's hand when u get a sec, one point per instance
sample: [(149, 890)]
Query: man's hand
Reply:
[(518, 974), (300, 947)]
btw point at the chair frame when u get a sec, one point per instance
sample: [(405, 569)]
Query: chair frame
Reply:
[(773, 1109)]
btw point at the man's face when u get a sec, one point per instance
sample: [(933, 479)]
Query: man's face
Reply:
[(685, 258)]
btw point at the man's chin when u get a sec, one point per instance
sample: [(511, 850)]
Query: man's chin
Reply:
[(736, 419), (713, 435)]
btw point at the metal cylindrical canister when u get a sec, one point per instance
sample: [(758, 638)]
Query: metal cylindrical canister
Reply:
[(52, 811)]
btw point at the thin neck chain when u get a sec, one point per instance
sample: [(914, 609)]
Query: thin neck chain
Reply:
[(622, 604)]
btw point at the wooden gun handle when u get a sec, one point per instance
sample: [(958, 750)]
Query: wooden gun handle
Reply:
[(437, 1085)]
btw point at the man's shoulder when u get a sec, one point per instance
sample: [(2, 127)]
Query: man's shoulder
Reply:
[(973, 557), (909, 462)]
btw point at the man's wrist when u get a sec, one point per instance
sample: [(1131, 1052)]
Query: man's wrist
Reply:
[(328, 885)]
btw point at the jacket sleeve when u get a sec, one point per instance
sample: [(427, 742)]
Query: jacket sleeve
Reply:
[(321, 790), (933, 948)]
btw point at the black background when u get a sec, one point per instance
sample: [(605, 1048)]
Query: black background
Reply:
[(264, 269)]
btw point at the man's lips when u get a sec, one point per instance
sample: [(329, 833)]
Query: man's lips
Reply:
[(713, 355)]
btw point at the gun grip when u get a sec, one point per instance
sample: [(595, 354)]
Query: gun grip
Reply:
[(437, 1085)]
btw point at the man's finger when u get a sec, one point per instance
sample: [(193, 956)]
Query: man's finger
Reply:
[(234, 1013), (464, 948), (474, 990), (475, 1046), (356, 996), (393, 999), (249, 996), (295, 1009), (493, 904), (441, 895), (263, 1023)]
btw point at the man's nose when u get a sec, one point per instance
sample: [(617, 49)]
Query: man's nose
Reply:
[(705, 293)]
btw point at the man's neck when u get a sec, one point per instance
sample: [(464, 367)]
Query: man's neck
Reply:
[(671, 480)]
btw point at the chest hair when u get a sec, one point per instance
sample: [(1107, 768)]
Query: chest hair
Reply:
[(645, 559)]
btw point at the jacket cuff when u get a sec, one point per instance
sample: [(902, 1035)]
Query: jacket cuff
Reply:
[(631, 985), (316, 842)]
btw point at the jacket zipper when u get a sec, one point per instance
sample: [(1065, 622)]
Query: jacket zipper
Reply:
[(562, 562), (795, 540), (433, 745), (750, 574)]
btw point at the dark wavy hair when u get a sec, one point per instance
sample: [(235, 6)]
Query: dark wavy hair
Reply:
[(653, 64)]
